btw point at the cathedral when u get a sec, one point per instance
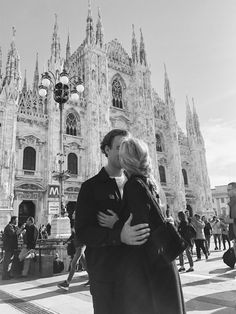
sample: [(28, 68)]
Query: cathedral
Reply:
[(117, 94)]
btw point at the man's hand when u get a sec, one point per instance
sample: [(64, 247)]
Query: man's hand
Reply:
[(106, 220), (134, 235)]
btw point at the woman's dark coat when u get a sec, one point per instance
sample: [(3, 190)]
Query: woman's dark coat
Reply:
[(146, 287)]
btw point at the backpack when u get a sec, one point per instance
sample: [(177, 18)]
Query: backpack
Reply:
[(191, 232)]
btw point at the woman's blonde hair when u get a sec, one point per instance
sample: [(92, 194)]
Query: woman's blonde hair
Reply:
[(134, 157)]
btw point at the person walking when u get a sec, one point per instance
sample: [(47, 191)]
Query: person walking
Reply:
[(225, 233), (10, 245), (145, 285), (183, 229), (27, 252), (207, 232), (200, 236), (216, 231), (98, 204), (78, 256)]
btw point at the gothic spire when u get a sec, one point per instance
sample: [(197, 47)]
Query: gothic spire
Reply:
[(99, 30), (142, 52), (36, 75), (0, 62), (134, 49), (196, 121), (24, 88), (55, 46), (68, 48), (89, 28), (189, 119), (13, 62), (167, 86)]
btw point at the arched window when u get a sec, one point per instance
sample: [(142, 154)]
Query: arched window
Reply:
[(162, 173), (29, 158), (158, 143), (71, 125), (184, 172), (72, 164), (117, 94)]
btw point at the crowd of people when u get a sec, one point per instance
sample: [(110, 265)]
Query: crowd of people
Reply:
[(118, 211)]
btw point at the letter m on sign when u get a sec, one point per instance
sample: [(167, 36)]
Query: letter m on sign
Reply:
[(53, 191)]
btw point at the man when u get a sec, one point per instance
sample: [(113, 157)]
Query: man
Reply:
[(10, 245), (30, 237), (99, 203)]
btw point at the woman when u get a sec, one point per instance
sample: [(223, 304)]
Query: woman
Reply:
[(183, 230), (145, 286)]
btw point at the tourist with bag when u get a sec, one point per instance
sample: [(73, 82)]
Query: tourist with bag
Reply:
[(148, 276), (27, 253), (184, 229)]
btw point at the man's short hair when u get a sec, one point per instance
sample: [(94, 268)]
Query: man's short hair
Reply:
[(108, 138), (13, 218)]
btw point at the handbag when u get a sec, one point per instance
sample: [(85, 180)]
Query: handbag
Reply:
[(164, 241)]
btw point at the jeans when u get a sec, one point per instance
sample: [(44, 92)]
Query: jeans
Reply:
[(79, 254), (189, 257), (217, 237), (7, 263), (208, 240), (200, 244), (224, 239)]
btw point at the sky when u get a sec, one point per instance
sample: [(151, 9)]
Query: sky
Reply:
[(195, 39)]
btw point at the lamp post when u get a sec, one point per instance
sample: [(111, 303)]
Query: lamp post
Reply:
[(62, 91)]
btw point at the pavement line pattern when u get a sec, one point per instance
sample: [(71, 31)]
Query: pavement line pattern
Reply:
[(23, 305)]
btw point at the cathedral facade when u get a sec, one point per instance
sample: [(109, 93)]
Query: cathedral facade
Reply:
[(118, 94)]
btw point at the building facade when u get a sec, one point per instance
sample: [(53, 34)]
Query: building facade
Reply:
[(220, 200), (118, 94)]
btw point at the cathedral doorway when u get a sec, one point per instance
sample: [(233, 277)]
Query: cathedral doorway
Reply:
[(190, 210), (70, 207), (26, 209)]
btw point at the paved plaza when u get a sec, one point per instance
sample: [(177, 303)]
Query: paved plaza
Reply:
[(211, 288)]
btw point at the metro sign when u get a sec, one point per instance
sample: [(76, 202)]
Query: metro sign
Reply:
[(53, 191)]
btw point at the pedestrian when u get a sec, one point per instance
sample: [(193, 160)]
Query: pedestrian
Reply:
[(183, 229), (99, 201), (27, 252), (200, 236), (169, 218), (10, 245), (48, 229), (207, 232), (225, 233), (216, 231), (146, 286), (58, 265), (78, 256)]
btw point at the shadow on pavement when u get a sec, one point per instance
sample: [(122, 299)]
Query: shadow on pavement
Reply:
[(214, 301)]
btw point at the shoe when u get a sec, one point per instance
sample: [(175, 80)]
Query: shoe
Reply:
[(181, 269), (197, 260), (216, 248), (206, 256), (189, 270), (64, 285), (87, 284)]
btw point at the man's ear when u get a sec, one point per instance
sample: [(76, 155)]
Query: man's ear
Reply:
[(107, 149)]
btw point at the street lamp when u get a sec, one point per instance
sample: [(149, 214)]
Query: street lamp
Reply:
[(62, 91)]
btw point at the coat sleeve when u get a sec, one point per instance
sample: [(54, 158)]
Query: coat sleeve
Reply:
[(86, 224), (137, 202)]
